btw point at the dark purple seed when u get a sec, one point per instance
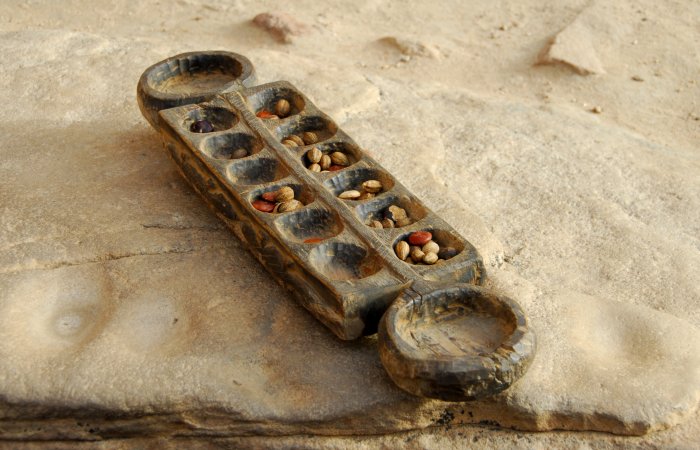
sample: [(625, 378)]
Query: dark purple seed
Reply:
[(447, 252), (202, 126)]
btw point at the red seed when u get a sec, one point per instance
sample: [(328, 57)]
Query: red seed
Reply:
[(264, 114), (269, 196), (335, 167), (312, 240), (420, 237), (262, 205)]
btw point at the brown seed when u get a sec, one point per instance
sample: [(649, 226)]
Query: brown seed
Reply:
[(403, 222), (239, 153), (297, 140), (309, 137), (447, 252), (430, 258), (289, 205), (282, 108), (409, 260), (262, 205), (417, 254), (339, 159), (431, 247), (372, 186), (440, 261), (420, 237), (365, 195), (350, 195), (376, 224), (335, 168), (314, 155), (284, 194), (395, 213), (289, 143), (315, 168), (402, 250), (388, 223), (325, 162)]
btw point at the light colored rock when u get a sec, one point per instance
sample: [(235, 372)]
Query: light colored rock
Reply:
[(409, 47), (573, 47), (281, 26), (121, 294)]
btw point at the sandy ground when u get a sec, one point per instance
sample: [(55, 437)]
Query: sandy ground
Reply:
[(588, 184)]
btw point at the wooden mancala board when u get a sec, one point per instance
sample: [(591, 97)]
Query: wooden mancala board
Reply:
[(440, 334)]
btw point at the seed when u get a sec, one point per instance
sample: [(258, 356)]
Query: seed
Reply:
[(315, 168), (376, 224), (339, 159), (372, 186), (289, 143), (388, 223), (417, 254), (262, 205), (440, 261), (312, 240), (284, 194), (365, 195), (420, 237), (297, 140), (325, 162), (282, 107), (430, 258), (314, 155), (269, 196), (409, 260), (350, 195), (309, 137), (447, 252), (335, 168), (202, 126), (239, 153), (403, 222), (395, 213), (431, 247), (265, 114), (289, 205), (402, 250)]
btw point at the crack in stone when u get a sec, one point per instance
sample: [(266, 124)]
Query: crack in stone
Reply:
[(98, 259)]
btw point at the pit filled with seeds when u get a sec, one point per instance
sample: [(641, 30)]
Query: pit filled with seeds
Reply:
[(359, 184), (277, 201), (420, 247), (330, 157), (307, 131), (276, 103)]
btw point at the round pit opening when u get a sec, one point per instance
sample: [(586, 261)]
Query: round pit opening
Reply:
[(323, 129), (256, 171), (343, 261), (265, 103), (310, 225), (209, 119), (232, 145), (196, 74), (351, 180), (378, 210)]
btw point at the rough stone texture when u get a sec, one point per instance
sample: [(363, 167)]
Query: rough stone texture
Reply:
[(126, 309)]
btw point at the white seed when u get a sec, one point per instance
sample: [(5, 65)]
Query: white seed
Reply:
[(430, 258), (314, 155), (297, 140), (325, 162), (388, 223), (376, 224), (431, 247), (366, 195), (315, 168), (309, 137), (350, 195), (289, 143), (282, 107), (284, 194), (289, 205), (372, 186), (339, 159), (402, 249), (403, 222)]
